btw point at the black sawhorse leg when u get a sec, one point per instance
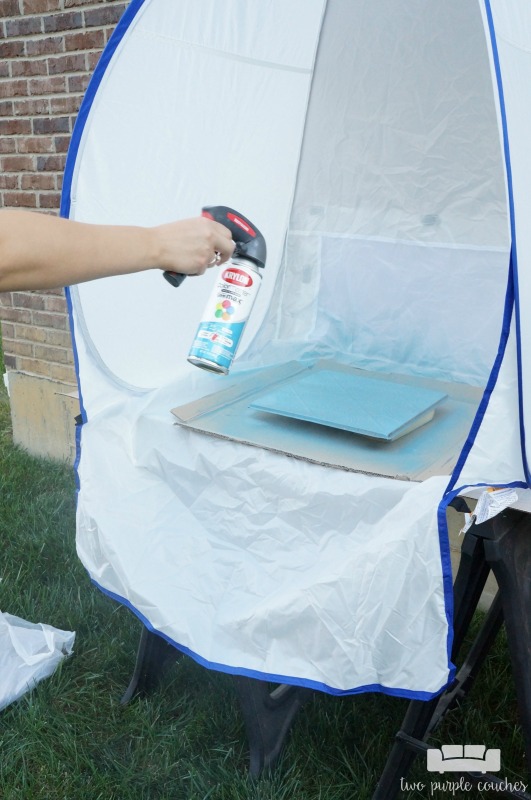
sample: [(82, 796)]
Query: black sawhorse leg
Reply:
[(502, 545), (267, 713), (154, 654)]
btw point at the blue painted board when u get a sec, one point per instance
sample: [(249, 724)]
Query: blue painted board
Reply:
[(375, 407)]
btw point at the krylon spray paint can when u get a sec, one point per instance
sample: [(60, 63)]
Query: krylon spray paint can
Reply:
[(226, 314)]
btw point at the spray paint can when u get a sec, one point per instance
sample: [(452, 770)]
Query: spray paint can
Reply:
[(232, 298), (226, 314)]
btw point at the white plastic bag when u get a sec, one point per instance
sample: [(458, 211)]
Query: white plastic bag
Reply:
[(29, 652)]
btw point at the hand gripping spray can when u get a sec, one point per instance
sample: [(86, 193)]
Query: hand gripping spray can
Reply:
[(232, 298)]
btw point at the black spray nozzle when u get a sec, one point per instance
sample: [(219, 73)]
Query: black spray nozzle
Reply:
[(175, 278), (249, 242)]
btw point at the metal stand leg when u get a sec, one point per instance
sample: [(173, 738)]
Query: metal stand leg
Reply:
[(471, 665), (509, 555), (503, 545), (409, 740), (153, 656), (268, 716)]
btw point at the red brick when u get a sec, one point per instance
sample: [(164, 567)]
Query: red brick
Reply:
[(92, 60), (61, 143), (49, 200), (17, 347), (42, 47), (9, 8), (84, 40), (57, 355), (7, 145), (47, 93), (8, 330), (51, 125), (63, 373), (20, 199), (61, 338), (17, 315), (65, 105), (30, 106), (78, 83), (38, 6), (37, 181), (53, 85), (16, 163), (49, 320), (10, 361), (28, 67), (49, 336), (55, 302), (63, 22), (29, 333), (14, 88), (11, 49), (27, 300), (107, 15), (75, 3), (32, 366), (23, 26), (6, 108), (10, 127), (50, 163), (35, 144), (9, 181), (75, 62)]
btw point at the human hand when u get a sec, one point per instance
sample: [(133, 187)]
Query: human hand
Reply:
[(190, 246)]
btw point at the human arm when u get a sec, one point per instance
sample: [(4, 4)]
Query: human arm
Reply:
[(40, 251)]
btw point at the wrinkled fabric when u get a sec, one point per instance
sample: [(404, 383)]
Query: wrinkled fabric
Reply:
[(263, 563), (29, 652)]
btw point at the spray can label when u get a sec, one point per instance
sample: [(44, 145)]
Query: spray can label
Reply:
[(227, 311)]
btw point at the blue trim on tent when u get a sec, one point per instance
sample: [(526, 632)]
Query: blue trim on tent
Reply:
[(514, 255), (491, 383), (66, 197), (267, 676), (511, 296), (443, 532), (511, 301), (448, 588)]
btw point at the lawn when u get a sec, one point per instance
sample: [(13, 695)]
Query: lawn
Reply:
[(71, 738)]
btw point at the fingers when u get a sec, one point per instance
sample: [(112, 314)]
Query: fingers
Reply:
[(223, 244), (190, 246)]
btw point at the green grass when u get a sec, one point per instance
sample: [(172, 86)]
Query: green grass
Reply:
[(70, 738)]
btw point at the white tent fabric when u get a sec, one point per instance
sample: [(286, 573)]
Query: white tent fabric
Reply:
[(364, 139)]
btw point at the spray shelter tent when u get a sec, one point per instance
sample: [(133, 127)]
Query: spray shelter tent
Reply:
[(381, 148)]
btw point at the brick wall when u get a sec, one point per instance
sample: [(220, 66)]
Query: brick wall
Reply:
[(48, 50)]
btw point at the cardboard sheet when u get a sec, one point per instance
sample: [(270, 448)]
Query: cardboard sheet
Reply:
[(233, 413)]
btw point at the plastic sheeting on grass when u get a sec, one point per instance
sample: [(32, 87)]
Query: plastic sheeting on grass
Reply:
[(29, 652)]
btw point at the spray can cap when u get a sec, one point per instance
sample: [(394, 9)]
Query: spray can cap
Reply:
[(249, 242)]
